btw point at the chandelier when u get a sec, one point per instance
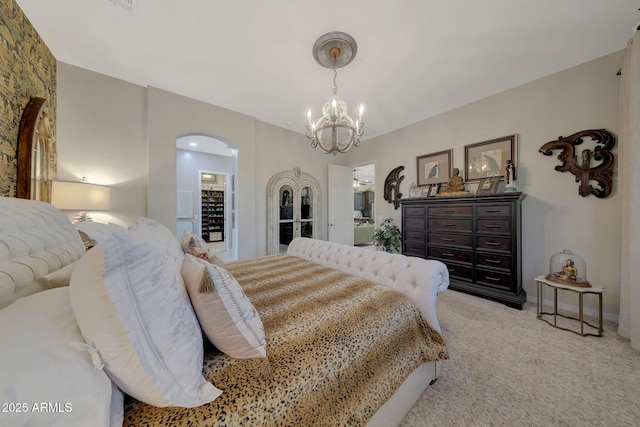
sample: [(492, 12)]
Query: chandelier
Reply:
[(335, 132)]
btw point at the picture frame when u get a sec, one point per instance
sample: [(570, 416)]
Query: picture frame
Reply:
[(425, 191), (415, 193), (433, 190), (488, 185), (434, 168), (489, 158)]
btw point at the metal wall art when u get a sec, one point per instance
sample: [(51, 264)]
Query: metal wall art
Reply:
[(582, 170), (392, 187)]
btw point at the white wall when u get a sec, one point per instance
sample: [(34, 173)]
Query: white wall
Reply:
[(101, 135), (555, 216)]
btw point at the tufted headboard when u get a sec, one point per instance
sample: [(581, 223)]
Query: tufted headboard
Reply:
[(417, 278), (35, 239)]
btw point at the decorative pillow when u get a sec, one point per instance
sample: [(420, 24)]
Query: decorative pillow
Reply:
[(131, 304), (194, 245), (161, 235), (226, 315), (56, 279), (38, 366), (190, 239)]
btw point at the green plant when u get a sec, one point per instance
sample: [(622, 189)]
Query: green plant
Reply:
[(388, 236)]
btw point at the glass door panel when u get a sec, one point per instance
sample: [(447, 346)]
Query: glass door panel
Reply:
[(306, 212)]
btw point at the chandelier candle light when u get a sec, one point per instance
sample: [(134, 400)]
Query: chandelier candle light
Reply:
[(335, 50)]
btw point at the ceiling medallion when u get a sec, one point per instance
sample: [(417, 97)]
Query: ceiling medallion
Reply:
[(335, 132)]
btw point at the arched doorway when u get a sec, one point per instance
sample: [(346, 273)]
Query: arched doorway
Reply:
[(205, 182)]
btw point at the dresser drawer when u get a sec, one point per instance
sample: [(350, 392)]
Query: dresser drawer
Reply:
[(450, 210), (493, 243), (450, 254), (414, 211), (497, 226), (446, 224), (414, 249), (494, 261), (414, 236), (460, 271), (464, 240), (497, 210), (499, 280), (414, 223)]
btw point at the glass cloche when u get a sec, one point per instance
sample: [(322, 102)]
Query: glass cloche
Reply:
[(568, 268)]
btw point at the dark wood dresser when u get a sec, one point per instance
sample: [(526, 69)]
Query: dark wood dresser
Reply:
[(477, 237)]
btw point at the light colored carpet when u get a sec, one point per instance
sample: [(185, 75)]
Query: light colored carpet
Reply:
[(508, 368)]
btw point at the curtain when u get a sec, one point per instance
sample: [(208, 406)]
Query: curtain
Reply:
[(629, 179)]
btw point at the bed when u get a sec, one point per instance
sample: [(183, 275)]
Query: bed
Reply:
[(298, 363)]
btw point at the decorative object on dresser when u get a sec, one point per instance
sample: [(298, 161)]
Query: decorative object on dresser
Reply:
[(510, 177), (477, 237), (489, 158), (434, 168), (602, 173), (392, 192), (414, 191), (488, 185), (433, 190), (455, 186)]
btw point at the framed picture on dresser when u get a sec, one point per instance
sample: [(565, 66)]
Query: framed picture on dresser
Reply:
[(489, 158), (434, 168)]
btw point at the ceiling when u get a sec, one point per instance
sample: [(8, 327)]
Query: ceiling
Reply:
[(415, 58)]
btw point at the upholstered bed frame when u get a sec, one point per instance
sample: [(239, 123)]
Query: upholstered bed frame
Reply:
[(36, 239)]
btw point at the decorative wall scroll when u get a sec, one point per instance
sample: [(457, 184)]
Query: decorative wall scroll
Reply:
[(582, 170), (392, 187)]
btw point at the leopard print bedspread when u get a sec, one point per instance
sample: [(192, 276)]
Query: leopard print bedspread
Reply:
[(339, 347)]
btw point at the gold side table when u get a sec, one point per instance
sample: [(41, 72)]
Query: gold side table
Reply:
[(581, 291)]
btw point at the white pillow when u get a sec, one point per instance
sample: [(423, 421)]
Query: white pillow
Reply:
[(38, 365), (161, 235), (131, 303), (226, 315)]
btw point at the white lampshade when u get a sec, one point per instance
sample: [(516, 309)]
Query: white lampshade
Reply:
[(80, 196)]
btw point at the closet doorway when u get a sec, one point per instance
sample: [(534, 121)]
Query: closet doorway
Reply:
[(205, 176)]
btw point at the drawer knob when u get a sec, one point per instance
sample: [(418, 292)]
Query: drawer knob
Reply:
[(488, 243), (492, 261), (448, 239), (449, 225), (492, 210), (494, 279), (448, 254), (494, 226)]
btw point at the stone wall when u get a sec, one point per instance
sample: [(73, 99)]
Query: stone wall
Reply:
[(27, 69)]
